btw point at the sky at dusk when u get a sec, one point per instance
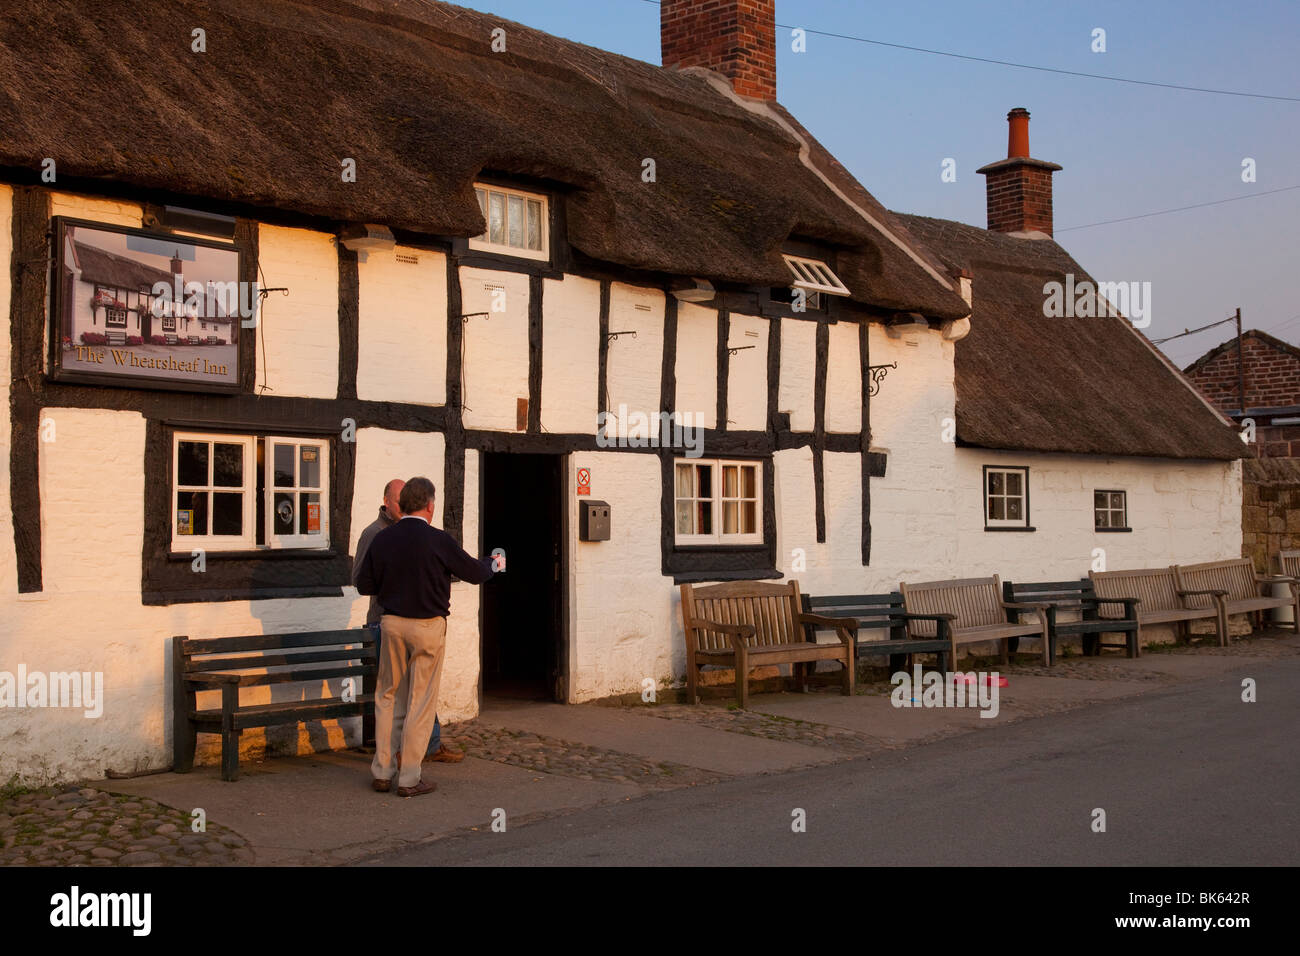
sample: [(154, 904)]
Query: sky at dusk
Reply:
[(893, 116)]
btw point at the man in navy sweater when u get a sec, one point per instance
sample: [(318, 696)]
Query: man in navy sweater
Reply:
[(409, 567)]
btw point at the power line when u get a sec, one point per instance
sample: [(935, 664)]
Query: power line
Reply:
[(1165, 212), (1028, 66), (1186, 332)]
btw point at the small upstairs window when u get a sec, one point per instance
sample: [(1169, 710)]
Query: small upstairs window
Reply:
[(814, 275), (516, 222)]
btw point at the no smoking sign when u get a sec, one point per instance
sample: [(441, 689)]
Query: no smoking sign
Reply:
[(584, 481)]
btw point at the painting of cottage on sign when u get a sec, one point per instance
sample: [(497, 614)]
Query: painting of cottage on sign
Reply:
[(146, 309)]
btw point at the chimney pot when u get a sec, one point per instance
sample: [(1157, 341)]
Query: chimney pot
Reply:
[(1018, 133), (1019, 188)]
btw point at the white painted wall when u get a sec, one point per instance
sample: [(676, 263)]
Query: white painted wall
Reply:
[(402, 338), (696, 367), (634, 368), (496, 347), (798, 372), (747, 373), (570, 354), (844, 379), (298, 333)]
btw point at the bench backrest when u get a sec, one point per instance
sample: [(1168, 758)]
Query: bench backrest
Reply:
[(1288, 563), (1237, 577), (871, 611), (1060, 593), (260, 651), (975, 602), (773, 610), (1156, 588)]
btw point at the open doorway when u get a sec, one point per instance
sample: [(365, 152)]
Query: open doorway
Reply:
[(523, 609)]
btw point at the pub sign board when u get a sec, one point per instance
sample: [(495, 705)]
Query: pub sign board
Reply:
[(145, 309)]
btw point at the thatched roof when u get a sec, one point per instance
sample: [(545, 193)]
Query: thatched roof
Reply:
[(118, 272), (414, 94), (1092, 386)]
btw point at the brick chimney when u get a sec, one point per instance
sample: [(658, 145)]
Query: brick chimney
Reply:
[(736, 38), (1019, 188)]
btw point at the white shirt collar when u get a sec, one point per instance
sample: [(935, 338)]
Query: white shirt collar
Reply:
[(418, 517)]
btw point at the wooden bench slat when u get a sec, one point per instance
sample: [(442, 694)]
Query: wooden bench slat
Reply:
[(288, 712), (287, 677), (260, 642), (273, 660)]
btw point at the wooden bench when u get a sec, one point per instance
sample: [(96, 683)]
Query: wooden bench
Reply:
[(1159, 599), (748, 624), (1236, 587), (1078, 597), (975, 611), (115, 337), (222, 663), (879, 612)]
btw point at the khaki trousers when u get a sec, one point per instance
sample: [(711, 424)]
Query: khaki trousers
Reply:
[(406, 698)]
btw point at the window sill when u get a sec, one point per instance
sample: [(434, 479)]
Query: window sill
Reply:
[(697, 577), (1009, 528), (274, 553), (1112, 530)]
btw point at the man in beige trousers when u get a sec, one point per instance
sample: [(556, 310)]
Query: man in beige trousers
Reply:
[(409, 567)]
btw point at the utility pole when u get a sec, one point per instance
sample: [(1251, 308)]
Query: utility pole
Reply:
[(1241, 368)]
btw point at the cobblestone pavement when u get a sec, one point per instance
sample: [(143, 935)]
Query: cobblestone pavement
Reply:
[(552, 755), (770, 726), (90, 827)]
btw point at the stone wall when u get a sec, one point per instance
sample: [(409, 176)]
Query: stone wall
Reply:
[(1270, 509)]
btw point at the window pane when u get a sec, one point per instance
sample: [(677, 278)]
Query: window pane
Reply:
[(684, 517), (729, 518), (703, 517), (309, 466), (191, 512), (729, 484), (1013, 509), (704, 481), (282, 521), (683, 481), (995, 482), (309, 513), (1013, 482), (1117, 500), (482, 205), (748, 518), (517, 221), (749, 481), (534, 224), (192, 463), (496, 218), (995, 509), (283, 466), (1103, 519), (227, 513), (1099, 499), (228, 465)]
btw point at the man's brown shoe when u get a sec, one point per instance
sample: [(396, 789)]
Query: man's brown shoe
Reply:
[(380, 786), (443, 755), (423, 787)]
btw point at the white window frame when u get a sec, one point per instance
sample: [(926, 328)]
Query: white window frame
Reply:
[(814, 275), (717, 499), (482, 244), (214, 542), (277, 542), (1123, 509), (1023, 473)]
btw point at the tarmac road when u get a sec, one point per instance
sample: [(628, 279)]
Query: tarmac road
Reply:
[(1187, 776)]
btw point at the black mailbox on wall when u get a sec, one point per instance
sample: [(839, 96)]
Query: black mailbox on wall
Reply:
[(593, 521)]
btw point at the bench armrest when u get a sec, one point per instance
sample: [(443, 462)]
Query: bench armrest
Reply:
[(821, 620), (207, 677), (736, 633), (1275, 579), (909, 616)]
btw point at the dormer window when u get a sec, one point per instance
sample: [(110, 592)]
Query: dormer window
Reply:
[(516, 222), (814, 275)]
